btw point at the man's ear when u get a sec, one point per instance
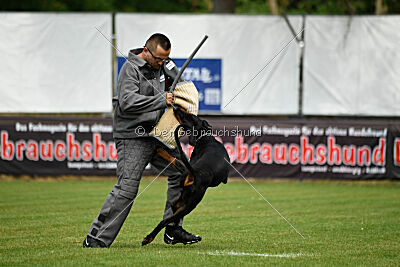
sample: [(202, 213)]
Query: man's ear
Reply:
[(206, 125)]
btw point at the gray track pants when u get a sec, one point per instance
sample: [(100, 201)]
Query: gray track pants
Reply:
[(133, 157)]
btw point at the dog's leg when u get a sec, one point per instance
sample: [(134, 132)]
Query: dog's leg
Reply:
[(191, 201), (175, 217)]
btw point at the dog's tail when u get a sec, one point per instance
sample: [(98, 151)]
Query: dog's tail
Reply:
[(183, 155)]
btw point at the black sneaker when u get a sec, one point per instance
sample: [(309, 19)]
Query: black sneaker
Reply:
[(90, 242), (176, 234)]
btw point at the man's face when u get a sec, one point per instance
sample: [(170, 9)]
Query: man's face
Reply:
[(156, 58)]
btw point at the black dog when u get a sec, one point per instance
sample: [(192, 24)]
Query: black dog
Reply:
[(208, 167)]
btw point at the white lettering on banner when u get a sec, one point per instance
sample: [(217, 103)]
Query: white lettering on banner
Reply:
[(83, 128), (19, 127), (212, 96), (200, 74), (367, 132), (201, 96), (375, 170), (336, 131), (345, 169), (72, 127), (107, 165), (101, 128), (51, 128), (313, 169), (274, 130), (316, 131), (80, 165)]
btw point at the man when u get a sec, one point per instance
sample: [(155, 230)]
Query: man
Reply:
[(141, 100)]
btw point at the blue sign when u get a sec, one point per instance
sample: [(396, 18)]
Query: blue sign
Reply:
[(206, 76)]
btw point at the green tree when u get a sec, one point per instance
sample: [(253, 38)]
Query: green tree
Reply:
[(321, 7)]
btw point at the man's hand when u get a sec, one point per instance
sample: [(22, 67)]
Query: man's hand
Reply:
[(170, 99)]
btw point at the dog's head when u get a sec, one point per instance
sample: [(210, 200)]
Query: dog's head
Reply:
[(192, 123)]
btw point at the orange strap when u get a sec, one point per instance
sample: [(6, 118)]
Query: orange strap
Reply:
[(189, 180), (165, 155)]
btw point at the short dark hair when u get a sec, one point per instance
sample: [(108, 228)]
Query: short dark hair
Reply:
[(158, 39)]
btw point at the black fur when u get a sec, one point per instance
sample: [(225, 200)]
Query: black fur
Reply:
[(208, 167)]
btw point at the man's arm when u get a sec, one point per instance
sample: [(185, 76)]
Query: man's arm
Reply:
[(129, 98)]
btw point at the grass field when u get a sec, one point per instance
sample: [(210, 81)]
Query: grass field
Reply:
[(345, 223)]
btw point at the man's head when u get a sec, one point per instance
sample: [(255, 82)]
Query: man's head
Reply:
[(156, 50)]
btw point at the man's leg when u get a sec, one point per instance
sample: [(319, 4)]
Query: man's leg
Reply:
[(176, 173), (133, 156)]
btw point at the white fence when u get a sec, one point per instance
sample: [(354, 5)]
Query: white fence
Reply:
[(352, 65), (55, 62), (60, 62), (245, 44)]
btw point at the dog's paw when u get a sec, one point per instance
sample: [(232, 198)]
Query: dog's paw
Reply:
[(147, 240)]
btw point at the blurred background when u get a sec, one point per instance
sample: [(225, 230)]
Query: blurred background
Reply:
[(304, 88), (274, 7)]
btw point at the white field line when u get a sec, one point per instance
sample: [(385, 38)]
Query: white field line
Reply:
[(232, 253)]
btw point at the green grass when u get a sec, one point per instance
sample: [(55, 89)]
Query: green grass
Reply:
[(354, 223)]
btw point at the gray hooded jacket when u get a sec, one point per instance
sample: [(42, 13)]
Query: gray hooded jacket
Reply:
[(141, 98)]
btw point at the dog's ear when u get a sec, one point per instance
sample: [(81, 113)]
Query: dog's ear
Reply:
[(206, 125)]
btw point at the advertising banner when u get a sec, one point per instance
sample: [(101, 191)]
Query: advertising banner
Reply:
[(206, 76), (57, 146), (334, 149), (311, 150)]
